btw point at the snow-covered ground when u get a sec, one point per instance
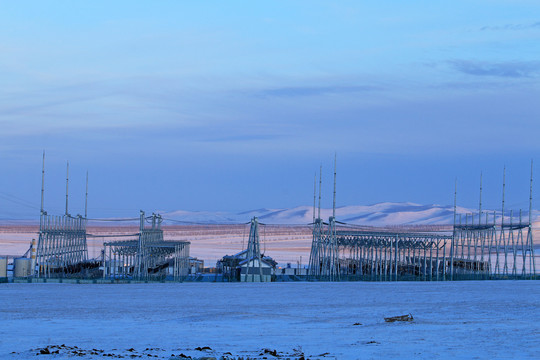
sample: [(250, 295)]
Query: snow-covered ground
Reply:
[(466, 320)]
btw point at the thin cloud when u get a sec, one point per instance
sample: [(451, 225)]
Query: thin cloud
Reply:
[(300, 91), (30, 102), (242, 138), (40, 105), (512, 27), (513, 69)]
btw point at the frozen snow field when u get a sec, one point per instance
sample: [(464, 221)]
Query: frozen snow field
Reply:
[(466, 320)]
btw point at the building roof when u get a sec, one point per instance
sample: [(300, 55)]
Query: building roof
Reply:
[(264, 260)]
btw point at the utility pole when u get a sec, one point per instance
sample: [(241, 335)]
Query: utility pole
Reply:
[(314, 196), (86, 198), (480, 207), (42, 182), (320, 186), (67, 187)]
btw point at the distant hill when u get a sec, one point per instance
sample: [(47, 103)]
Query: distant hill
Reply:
[(381, 214)]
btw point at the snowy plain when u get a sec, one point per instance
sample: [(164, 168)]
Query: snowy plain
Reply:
[(453, 320)]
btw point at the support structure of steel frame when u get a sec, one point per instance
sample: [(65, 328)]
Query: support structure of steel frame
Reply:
[(253, 252), (148, 257), (324, 258), (377, 256), (478, 248), (483, 248), (490, 250), (62, 244)]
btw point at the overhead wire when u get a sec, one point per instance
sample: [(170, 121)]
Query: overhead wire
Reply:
[(17, 200), (114, 219), (200, 223), (114, 235)]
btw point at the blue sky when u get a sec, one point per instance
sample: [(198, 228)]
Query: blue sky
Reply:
[(233, 105)]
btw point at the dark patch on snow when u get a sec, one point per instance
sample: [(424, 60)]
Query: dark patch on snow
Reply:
[(65, 351)]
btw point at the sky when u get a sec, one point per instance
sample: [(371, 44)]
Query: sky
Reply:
[(232, 106)]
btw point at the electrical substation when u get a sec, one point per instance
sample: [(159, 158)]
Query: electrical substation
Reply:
[(476, 246)]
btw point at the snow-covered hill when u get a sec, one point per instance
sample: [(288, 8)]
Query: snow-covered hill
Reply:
[(381, 214)]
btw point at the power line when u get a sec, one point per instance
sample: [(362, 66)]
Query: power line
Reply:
[(111, 236), (115, 220), (200, 223), (17, 200)]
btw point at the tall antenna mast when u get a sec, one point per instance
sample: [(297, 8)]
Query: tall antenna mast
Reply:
[(480, 207), (453, 233), (504, 186), (314, 196), (67, 187), (334, 204), (455, 202), (530, 196), (42, 181), (86, 198), (320, 185)]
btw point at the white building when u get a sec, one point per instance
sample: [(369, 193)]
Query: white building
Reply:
[(254, 271)]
